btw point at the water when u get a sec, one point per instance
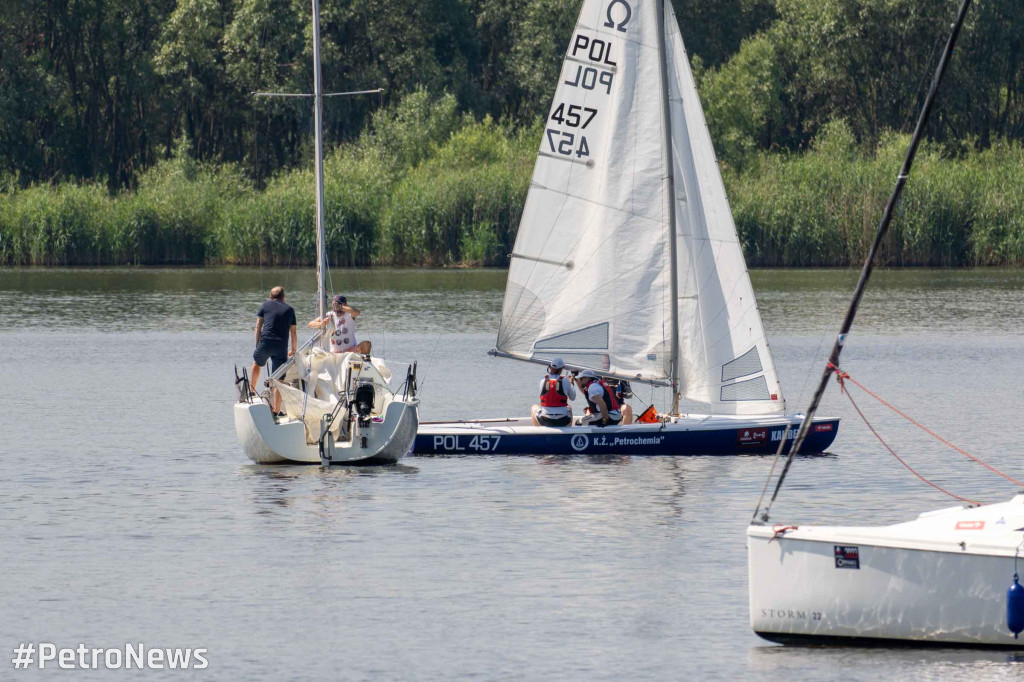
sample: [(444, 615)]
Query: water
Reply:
[(130, 514)]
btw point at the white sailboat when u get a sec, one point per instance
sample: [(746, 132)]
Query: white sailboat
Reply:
[(939, 579), (948, 577), (339, 407), (627, 261)]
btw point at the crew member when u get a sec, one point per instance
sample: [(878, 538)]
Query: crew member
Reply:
[(275, 324), (342, 324), (604, 408), (555, 393)]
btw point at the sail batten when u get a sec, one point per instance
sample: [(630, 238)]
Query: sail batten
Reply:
[(641, 214)]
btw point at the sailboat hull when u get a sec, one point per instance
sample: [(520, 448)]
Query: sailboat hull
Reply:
[(690, 435), (267, 441), (940, 580)]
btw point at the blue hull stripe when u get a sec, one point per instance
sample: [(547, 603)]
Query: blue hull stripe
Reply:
[(726, 441)]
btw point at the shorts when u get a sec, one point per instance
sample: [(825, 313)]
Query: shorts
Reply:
[(278, 355), (564, 420), (611, 422)]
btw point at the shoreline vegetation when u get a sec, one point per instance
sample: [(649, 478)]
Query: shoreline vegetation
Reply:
[(427, 186), (129, 133)]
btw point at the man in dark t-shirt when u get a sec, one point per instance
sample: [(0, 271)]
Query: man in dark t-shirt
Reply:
[(275, 325)]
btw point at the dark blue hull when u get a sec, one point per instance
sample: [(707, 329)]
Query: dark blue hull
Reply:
[(626, 440)]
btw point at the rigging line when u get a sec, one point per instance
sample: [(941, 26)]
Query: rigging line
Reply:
[(892, 452), (931, 433), (883, 227), (771, 472), (809, 363)]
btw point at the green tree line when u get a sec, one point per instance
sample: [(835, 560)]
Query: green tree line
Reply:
[(129, 133)]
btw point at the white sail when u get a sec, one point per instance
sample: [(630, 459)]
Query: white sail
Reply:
[(724, 355), (591, 272)]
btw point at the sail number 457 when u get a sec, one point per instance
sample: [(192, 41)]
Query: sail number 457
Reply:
[(573, 116), (459, 444), (567, 144)]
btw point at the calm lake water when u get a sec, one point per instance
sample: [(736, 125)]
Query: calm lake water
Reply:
[(128, 512)]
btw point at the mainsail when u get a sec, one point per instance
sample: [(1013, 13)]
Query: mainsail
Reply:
[(591, 277)]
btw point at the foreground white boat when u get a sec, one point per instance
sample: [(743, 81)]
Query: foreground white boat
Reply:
[(940, 579), (947, 578)]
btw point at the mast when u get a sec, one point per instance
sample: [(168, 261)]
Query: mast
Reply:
[(869, 260), (670, 200), (321, 250)]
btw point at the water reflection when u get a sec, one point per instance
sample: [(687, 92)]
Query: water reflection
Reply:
[(894, 663), (283, 486)]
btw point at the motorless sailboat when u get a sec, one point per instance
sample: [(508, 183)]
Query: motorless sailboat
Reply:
[(627, 262), (339, 407), (949, 577)]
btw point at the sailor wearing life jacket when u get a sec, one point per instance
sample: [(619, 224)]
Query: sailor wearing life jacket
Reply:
[(604, 408), (555, 393)]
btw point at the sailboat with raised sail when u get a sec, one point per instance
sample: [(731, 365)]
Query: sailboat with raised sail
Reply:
[(339, 408), (948, 577), (627, 262)]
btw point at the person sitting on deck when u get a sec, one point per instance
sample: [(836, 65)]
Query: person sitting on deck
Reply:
[(601, 402), (343, 328), (623, 392), (555, 393)]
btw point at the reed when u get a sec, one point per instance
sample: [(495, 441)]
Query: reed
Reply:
[(454, 196), (463, 205), (820, 208)]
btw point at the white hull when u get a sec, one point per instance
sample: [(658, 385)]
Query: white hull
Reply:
[(268, 442), (941, 579)]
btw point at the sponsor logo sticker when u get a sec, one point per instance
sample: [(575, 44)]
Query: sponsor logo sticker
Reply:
[(752, 436), (970, 525), (847, 556), (818, 428)]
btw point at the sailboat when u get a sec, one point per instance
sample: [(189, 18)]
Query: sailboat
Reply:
[(947, 578), (627, 262), (339, 407)]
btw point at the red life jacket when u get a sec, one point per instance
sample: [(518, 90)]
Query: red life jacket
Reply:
[(609, 399), (554, 396)]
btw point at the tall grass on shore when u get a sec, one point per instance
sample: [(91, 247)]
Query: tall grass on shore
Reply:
[(425, 186), (821, 208), (462, 206)]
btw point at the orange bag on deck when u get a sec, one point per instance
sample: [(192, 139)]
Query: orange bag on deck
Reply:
[(649, 416)]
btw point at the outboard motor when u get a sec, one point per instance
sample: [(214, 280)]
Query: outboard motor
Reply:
[(363, 402), (1015, 607)]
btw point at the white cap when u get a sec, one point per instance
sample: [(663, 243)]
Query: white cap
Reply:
[(587, 374), (557, 363)]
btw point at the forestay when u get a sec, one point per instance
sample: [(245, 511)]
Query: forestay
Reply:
[(591, 274)]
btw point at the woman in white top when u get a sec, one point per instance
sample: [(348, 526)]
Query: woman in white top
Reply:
[(342, 321)]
